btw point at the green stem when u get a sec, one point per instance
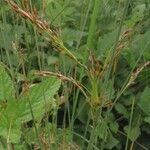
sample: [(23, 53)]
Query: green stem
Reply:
[(34, 123), (112, 53), (92, 28), (38, 51), (83, 23), (130, 123)]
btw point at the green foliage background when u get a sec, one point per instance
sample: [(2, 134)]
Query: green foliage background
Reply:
[(29, 104)]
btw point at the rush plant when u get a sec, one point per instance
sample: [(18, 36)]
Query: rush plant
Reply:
[(74, 74)]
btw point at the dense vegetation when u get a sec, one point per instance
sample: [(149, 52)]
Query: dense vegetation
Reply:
[(74, 74)]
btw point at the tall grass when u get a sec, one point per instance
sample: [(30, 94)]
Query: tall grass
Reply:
[(97, 75)]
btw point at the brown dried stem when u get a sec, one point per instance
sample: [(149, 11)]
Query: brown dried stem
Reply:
[(43, 26), (135, 74), (64, 78)]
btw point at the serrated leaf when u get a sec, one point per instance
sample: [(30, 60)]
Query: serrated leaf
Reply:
[(144, 102), (106, 42), (39, 98), (102, 130), (122, 110), (16, 112), (111, 142), (114, 126), (6, 85), (9, 126), (31, 136), (133, 133), (13, 134)]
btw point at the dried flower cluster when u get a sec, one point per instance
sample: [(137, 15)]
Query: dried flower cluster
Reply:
[(135, 74), (43, 27)]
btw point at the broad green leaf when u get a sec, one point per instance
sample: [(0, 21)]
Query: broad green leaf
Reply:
[(9, 128), (102, 130), (17, 112), (69, 35), (7, 91), (136, 48), (144, 102), (122, 110), (137, 15), (133, 133), (39, 98), (105, 43), (31, 136), (114, 126), (9, 125), (111, 142), (10, 33), (12, 134)]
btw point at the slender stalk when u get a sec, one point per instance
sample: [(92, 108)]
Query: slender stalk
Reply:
[(92, 28), (108, 73), (87, 141), (125, 85), (11, 69), (130, 123), (38, 51), (137, 143), (75, 102), (35, 127), (84, 24)]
